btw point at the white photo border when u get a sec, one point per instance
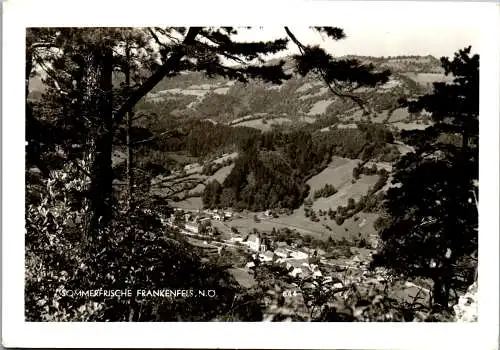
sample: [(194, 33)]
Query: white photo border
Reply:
[(19, 14)]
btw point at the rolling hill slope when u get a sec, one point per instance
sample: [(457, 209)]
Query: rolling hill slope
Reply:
[(300, 100)]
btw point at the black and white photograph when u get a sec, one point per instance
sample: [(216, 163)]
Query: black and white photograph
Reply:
[(293, 173)]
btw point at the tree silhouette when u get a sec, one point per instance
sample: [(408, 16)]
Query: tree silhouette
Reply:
[(432, 218), (455, 107)]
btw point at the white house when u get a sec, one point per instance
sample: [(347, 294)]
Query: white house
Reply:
[(297, 254), (253, 242), (192, 227), (337, 285), (266, 256), (236, 239), (250, 264)]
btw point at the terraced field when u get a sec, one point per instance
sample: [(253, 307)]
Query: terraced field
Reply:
[(399, 115), (348, 190), (409, 126), (359, 225), (320, 107), (338, 173), (428, 78), (194, 182), (264, 126)]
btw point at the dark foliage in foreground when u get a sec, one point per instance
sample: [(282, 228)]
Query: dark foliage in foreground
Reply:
[(432, 218), (135, 255)]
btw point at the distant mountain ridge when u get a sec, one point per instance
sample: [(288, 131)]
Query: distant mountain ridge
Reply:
[(403, 64), (298, 101), (400, 63)]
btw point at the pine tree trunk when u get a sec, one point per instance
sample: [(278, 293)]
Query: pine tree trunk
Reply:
[(29, 67), (441, 288), (130, 177), (439, 293), (97, 111), (128, 116), (465, 140)]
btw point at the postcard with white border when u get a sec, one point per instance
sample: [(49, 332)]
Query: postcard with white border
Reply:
[(250, 175)]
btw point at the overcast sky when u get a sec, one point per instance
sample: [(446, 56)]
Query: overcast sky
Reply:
[(381, 39)]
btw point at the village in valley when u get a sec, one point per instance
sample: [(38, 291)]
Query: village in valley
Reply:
[(300, 269), (290, 254)]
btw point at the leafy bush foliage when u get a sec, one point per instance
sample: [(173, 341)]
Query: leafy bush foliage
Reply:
[(371, 303), (136, 254)]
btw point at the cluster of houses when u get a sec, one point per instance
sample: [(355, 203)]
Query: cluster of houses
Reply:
[(198, 222), (297, 262), (219, 214)]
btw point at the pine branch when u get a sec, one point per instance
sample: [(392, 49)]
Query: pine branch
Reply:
[(156, 39), (303, 50), (170, 65), (164, 48), (51, 74), (169, 36), (211, 50), (332, 32), (249, 50)]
